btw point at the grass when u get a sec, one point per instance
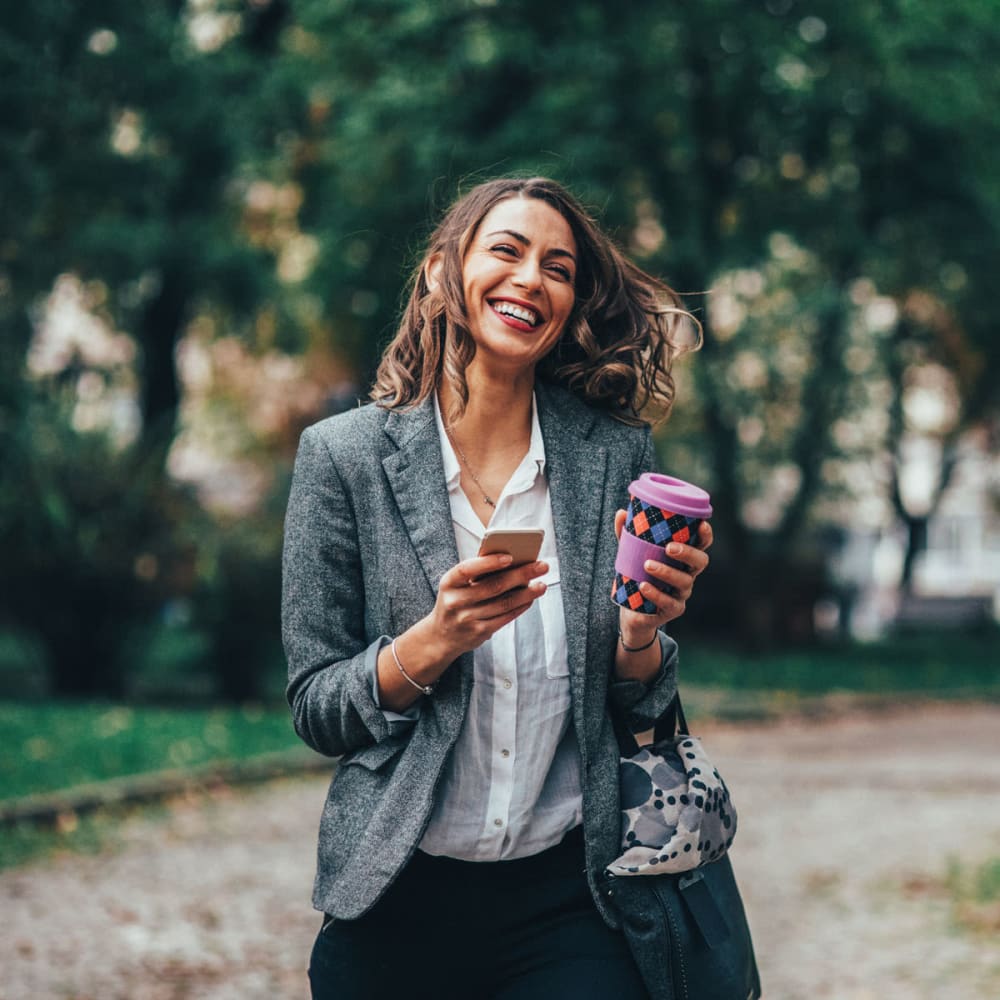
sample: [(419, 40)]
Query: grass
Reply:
[(22, 842), (50, 746), (975, 896), (935, 664)]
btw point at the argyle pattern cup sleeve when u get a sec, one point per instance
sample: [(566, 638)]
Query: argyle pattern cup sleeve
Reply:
[(655, 528), (661, 509)]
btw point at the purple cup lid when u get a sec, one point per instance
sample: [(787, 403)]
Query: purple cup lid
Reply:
[(672, 494)]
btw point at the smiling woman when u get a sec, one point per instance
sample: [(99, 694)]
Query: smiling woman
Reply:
[(623, 332), (517, 279), (470, 697)]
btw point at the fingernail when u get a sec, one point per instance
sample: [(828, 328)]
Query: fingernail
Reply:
[(674, 549), (506, 560), (649, 565)]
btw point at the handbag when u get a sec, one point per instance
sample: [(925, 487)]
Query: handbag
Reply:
[(673, 886)]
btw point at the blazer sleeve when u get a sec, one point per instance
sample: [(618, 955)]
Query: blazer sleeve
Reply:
[(330, 661), (639, 704)]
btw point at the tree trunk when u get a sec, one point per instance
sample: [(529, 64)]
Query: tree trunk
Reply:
[(160, 330), (916, 542), (917, 525), (711, 181), (82, 646)]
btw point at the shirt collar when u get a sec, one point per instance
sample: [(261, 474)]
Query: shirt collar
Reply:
[(536, 449), (452, 468)]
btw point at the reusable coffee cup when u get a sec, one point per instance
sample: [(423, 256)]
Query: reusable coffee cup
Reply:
[(661, 509)]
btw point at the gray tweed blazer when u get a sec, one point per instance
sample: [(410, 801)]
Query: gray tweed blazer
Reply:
[(368, 535)]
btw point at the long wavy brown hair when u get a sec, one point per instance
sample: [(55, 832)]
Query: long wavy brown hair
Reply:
[(619, 343)]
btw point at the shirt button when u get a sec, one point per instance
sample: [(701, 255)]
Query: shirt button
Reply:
[(508, 683), (504, 753), (498, 822)]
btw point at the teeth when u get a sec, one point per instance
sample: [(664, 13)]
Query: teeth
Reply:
[(518, 312)]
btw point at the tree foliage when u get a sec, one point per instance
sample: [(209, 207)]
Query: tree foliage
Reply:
[(817, 178), (714, 137), (121, 161)]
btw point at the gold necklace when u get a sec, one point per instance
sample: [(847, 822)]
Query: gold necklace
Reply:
[(465, 462)]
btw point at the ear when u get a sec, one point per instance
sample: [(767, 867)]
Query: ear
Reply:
[(432, 271)]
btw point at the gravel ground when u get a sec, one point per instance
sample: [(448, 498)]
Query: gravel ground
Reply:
[(846, 829)]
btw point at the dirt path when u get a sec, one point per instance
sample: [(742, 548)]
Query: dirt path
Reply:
[(846, 828)]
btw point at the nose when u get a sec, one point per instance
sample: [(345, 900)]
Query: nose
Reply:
[(528, 274)]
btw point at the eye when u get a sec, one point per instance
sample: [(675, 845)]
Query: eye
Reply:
[(504, 248), (562, 270)]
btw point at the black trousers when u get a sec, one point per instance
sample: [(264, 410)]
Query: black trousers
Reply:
[(507, 930)]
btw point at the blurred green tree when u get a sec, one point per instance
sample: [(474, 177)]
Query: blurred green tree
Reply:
[(824, 169), (130, 134), (807, 142)]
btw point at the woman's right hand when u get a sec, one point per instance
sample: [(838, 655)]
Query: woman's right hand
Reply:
[(476, 598)]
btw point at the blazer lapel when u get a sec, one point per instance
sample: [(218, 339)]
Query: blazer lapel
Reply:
[(416, 477), (577, 477)]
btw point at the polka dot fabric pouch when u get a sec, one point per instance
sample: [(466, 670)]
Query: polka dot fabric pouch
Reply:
[(676, 813)]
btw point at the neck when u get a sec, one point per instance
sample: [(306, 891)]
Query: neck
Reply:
[(491, 437), (498, 413)]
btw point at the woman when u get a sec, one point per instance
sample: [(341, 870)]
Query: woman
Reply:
[(476, 803)]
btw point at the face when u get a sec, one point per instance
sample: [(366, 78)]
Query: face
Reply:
[(518, 276)]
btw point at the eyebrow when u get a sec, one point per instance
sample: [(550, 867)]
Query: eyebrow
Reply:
[(558, 252)]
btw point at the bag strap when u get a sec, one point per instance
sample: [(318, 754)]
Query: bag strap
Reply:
[(672, 723)]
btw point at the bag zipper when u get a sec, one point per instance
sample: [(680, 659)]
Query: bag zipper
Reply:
[(674, 938)]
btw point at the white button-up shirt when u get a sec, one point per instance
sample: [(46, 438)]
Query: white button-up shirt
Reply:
[(511, 787)]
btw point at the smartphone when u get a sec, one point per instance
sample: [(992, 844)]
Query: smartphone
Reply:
[(523, 544)]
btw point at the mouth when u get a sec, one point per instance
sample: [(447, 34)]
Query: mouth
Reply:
[(515, 314)]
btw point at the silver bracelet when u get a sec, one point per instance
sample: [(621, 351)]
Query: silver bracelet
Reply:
[(422, 688), (634, 649)]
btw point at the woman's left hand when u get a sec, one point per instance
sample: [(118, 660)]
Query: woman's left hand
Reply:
[(669, 606)]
